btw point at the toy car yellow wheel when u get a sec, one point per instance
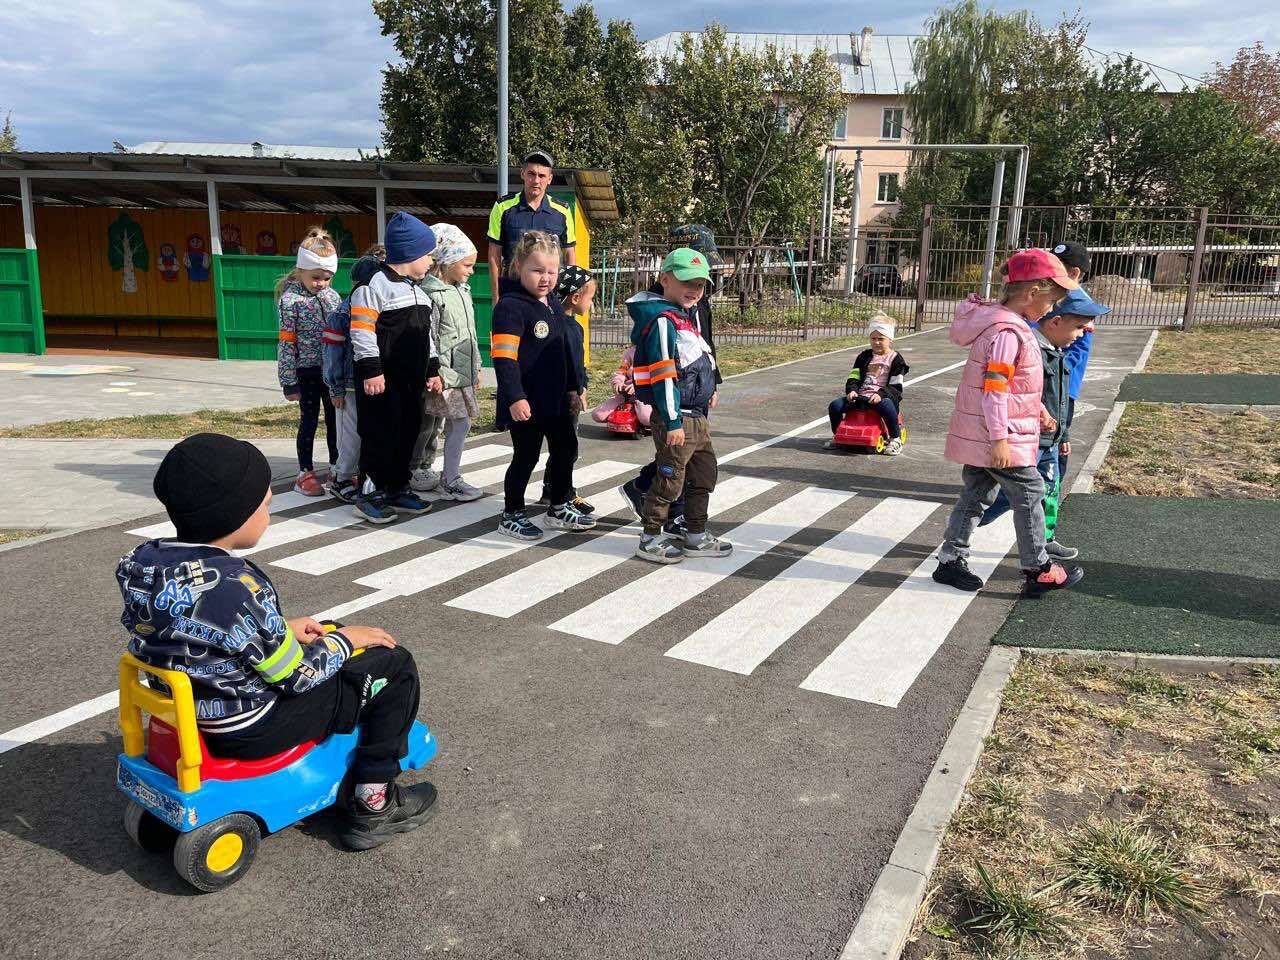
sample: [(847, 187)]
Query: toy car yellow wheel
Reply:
[(218, 854), (147, 830), (880, 444), (903, 434)]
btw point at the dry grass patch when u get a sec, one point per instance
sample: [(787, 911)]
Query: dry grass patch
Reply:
[(12, 534), (1184, 450), (1228, 349), (1116, 814)]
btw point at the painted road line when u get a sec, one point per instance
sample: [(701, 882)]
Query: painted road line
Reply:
[(744, 636), (45, 726), (344, 610), (618, 615), (433, 569), (279, 504), (290, 499), (566, 569), (377, 542), (813, 424), (880, 660)]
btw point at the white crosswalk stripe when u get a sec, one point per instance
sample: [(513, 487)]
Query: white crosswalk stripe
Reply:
[(880, 660), (291, 499), (405, 533), (433, 569), (618, 615), (745, 635), (553, 575)]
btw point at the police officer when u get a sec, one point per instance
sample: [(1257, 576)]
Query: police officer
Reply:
[(529, 209)]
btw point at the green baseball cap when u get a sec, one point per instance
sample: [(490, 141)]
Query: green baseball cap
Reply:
[(686, 264)]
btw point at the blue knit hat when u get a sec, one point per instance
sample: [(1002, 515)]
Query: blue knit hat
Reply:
[(408, 238)]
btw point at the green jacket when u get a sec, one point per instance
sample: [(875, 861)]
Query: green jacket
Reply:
[(454, 334)]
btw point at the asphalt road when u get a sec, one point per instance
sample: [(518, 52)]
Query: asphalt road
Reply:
[(599, 797)]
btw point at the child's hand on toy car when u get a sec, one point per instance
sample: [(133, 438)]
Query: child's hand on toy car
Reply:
[(851, 395), (306, 629), (361, 637), (874, 398)]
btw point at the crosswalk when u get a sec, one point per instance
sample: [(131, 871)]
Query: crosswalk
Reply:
[(877, 662)]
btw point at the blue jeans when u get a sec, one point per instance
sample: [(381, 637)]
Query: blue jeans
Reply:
[(887, 409)]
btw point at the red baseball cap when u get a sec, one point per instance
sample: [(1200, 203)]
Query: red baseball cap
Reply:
[(1037, 264)]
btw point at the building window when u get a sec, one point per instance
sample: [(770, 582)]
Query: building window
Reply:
[(887, 189), (784, 117), (841, 128), (891, 123)]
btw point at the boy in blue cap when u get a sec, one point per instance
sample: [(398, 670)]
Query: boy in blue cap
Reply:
[(395, 359), (1061, 327)]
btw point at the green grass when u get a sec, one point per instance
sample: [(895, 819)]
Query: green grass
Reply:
[(1123, 866), (1010, 916), (280, 421)]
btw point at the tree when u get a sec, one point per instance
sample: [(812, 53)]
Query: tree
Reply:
[(127, 251), (1252, 82), (755, 123), (8, 135)]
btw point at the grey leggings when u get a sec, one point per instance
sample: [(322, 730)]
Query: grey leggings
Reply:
[(455, 435), (1024, 488)]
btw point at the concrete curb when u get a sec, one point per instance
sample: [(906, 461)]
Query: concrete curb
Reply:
[(882, 929)]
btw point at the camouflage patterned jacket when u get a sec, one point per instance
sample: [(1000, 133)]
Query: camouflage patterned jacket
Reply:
[(215, 617)]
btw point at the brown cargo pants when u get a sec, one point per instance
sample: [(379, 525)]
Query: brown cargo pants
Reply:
[(695, 458)]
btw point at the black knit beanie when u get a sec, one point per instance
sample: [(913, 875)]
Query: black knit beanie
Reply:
[(211, 484)]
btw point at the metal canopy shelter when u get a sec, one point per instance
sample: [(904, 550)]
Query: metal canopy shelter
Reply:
[(268, 185), (1013, 227)]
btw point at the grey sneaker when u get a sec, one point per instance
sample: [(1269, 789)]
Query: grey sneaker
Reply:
[(894, 448), (1060, 551), (705, 546), (458, 490), (565, 517), (424, 479), (659, 549)]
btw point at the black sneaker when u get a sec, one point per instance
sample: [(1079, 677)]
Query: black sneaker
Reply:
[(582, 506), (676, 527), (407, 808), (1052, 576), (1060, 551), (956, 573), (635, 499)]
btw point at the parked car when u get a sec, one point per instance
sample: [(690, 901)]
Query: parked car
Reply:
[(879, 280)]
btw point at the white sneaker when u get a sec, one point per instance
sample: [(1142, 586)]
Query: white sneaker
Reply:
[(424, 479), (459, 490), (894, 448)]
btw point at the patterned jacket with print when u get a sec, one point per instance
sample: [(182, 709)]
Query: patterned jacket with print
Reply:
[(302, 321)]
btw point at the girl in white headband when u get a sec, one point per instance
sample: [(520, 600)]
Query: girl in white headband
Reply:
[(305, 300)]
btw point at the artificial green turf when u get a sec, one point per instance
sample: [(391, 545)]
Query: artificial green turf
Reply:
[(1163, 575), (1202, 388)]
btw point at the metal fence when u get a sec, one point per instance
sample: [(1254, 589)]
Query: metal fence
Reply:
[(1154, 266)]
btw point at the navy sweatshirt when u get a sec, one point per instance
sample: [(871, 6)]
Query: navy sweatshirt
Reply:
[(533, 355)]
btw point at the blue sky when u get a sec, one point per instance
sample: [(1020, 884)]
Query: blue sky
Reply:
[(77, 74)]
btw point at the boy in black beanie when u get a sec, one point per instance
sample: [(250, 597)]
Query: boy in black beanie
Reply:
[(263, 684)]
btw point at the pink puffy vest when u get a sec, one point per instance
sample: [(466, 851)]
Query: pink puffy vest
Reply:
[(976, 324)]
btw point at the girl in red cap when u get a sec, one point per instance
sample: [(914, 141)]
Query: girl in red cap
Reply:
[(995, 428)]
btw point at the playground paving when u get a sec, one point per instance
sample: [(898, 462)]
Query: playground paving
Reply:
[(1226, 388), (615, 779)]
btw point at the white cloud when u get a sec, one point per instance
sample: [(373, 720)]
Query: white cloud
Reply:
[(79, 73)]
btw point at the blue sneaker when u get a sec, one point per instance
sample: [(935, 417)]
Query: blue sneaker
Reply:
[(517, 525), (373, 508), (406, 501)]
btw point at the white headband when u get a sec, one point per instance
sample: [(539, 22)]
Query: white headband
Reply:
[(309, 260), (882, 326)]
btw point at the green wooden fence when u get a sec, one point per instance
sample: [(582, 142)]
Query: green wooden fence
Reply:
[(21, 313), (244, 298)]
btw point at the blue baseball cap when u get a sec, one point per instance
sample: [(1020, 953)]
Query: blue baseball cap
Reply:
[(1079, 303)]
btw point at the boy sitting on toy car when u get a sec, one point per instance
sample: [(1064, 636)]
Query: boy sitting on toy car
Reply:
[(263, 684), (874, 382)]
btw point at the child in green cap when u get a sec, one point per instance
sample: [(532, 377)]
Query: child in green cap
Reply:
[(675, 372)]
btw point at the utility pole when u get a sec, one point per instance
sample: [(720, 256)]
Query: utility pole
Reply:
[(502, 98)]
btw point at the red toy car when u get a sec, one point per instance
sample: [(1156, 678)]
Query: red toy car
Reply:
[(864, 428), (624, 420)]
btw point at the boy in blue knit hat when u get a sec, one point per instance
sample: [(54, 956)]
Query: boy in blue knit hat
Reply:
[(395, 359)]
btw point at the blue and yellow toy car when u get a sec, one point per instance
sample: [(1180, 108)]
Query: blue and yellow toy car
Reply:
[(212, 812)]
